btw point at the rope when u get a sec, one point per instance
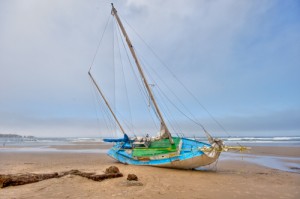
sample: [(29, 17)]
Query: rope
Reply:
[(98, 46)]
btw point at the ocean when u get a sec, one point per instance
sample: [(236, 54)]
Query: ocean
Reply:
[(260, 140), (241, 140)]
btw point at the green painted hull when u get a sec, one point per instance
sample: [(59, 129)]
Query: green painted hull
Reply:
[(157, 148)]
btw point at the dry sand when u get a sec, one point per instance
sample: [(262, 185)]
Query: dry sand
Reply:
[(230, 179)]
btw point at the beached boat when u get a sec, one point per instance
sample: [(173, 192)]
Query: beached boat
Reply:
[(164, 150)]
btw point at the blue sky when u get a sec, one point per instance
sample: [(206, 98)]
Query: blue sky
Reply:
[(239, 58)]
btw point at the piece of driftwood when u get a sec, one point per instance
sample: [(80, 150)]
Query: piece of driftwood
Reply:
[(21, 179)]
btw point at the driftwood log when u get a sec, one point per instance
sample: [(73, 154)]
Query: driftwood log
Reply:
[(21, 179)]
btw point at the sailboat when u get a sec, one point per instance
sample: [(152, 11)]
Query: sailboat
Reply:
[(164, 150)]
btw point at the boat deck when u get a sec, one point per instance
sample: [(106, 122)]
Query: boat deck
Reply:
[(157, 148)]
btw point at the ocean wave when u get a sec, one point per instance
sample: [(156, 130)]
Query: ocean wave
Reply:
[(246, 139)]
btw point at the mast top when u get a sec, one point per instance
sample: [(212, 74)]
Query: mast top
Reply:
[(113, 9)]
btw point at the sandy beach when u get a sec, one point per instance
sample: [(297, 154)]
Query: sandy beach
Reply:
[(229, 178)]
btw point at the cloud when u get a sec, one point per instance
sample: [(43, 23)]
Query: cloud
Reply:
[(239, 58)]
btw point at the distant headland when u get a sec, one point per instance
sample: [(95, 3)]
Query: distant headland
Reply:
[(16, 136)]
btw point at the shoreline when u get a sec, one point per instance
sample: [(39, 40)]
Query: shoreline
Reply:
[(282, 158)]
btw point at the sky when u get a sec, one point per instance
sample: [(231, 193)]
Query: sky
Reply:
[(240, 59)]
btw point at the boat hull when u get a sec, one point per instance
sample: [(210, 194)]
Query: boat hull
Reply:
[(190, 156)]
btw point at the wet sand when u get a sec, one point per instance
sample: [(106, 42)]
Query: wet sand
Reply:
[(276, 151), (227, 179)]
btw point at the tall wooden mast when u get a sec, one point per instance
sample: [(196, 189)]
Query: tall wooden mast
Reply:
[(164, 129)]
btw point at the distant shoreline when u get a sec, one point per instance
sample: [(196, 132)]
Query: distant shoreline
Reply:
[(15, 136)]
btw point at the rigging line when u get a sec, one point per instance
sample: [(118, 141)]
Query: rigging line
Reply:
[(107, 120), (168, 115), (104, 109), (152, 79), (107, 115), (124, 77), (127, 124), (145, 92), (114, 73), (178, 99), (142, 91), (166, 111), (163, 103), (159, 89), (147, 98), (170, 89), (203, 107), (94, 103), (98, 46), (184, 113)]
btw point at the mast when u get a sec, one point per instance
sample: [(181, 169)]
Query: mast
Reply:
[(106, 102), (164, 129)]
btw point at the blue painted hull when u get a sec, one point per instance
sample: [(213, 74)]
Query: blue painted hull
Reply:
[(190, 156)]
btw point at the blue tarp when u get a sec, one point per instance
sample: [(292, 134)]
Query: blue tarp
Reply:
[(125, 139)]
